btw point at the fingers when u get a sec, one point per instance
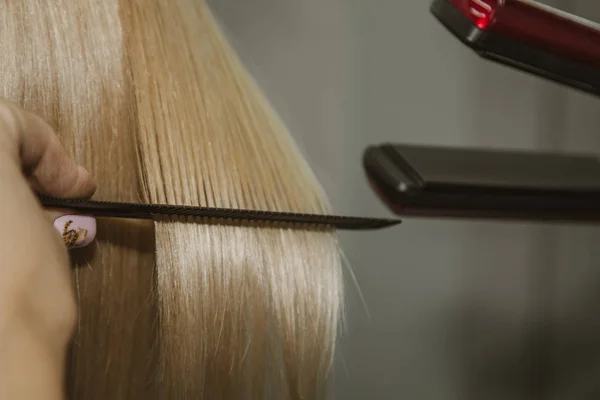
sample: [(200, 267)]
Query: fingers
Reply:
[(49, 169), (42, 156), (76, 230)]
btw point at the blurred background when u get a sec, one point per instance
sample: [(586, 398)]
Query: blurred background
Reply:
[(454, 309)]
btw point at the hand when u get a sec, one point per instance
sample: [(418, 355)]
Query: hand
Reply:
[(37, 304)]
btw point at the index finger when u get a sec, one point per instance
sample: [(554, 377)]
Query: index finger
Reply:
[(36, 148)]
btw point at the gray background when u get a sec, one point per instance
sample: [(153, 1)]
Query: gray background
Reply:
[(456, 310)]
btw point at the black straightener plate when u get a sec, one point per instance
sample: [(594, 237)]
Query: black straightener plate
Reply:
[(477, 183)]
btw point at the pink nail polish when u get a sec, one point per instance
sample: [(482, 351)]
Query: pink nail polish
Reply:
[(76, 230)]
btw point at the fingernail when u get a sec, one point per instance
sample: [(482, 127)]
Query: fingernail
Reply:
[(76, 230)]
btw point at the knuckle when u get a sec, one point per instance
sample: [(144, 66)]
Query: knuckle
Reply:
[(9, 117), (9, 123)]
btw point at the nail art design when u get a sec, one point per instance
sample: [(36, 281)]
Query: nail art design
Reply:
[(76, 230)]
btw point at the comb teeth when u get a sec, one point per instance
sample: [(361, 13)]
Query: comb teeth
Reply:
[(149, 211)]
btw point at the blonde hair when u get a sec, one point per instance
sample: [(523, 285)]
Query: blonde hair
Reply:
[(150, 97)]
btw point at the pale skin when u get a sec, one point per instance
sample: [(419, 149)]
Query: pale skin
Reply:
[(37, 303)]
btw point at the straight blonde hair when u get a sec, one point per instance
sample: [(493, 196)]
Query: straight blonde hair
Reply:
[(149, 96)]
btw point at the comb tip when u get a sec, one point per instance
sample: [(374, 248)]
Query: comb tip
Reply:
[(391, 222)]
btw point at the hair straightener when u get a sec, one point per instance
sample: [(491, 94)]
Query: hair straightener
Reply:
[(478, 183), (503, 184), (528, 35)]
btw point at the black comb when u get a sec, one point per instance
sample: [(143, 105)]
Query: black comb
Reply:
[(148, 211)]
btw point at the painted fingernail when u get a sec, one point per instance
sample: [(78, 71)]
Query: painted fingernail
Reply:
[(76, 230)]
